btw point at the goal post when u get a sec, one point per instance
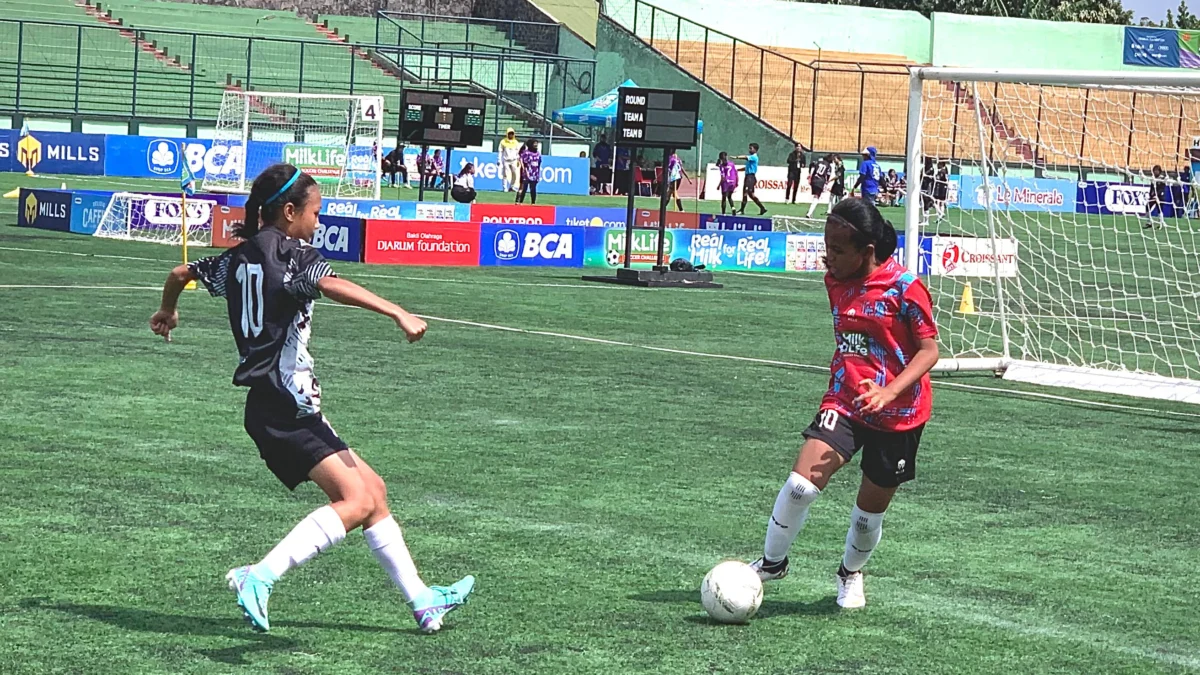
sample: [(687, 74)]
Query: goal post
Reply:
[(1068, 260), (337, 139), (157, 219)]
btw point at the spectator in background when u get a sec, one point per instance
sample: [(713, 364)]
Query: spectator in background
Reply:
[(623, 167), (869, 175), (675, 176), (422, 165), (602, 154), (891, 188), (510, 160), (795, 167), (393, 164), (531, 171), (463, 190), (437, 169), (729, 181)]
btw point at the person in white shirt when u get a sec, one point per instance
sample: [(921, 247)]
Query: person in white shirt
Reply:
[(510, 160), (463, 190)]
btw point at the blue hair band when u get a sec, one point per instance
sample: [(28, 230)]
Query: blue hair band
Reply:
[(290, 183)]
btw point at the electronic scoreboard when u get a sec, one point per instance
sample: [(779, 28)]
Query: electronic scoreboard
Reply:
[(442, 119), (657, 118)]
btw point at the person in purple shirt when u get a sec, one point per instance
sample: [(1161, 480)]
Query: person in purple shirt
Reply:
[(437, 168), (729, 180), (531, 171)]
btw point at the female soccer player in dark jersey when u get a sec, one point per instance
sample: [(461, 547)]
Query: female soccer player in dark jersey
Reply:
[(878, 399), (270, 282)]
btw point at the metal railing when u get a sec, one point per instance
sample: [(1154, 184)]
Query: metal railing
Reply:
[(178, 77), (830, 105), (528, 35)]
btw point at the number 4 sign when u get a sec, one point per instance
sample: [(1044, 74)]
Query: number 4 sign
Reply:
[(372, 109)]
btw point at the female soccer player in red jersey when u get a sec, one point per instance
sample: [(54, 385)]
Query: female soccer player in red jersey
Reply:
[(878, 399)]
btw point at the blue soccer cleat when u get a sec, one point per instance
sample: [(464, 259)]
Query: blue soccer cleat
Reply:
[(252, 595), (438, 601)]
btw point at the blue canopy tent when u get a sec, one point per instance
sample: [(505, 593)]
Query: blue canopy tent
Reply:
[(602, 112)]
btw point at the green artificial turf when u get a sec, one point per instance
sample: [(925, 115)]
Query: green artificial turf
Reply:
[(588, 485)]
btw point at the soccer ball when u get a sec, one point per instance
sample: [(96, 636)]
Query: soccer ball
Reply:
[(613, 258), (731, 592)]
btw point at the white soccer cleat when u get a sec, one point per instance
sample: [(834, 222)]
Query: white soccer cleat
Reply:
[(772, 572), (850, 591)]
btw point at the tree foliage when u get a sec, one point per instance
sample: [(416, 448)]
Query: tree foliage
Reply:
[(1085, 11)]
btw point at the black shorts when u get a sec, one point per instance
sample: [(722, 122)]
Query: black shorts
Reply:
[(749, 183), (838, 190), (818, 188), (291, 446), (889, 457)]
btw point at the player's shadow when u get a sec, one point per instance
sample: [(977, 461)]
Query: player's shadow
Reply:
[(769, 608), (150, 621)]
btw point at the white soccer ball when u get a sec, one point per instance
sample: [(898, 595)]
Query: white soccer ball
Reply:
[(613, 258), (731, 592)]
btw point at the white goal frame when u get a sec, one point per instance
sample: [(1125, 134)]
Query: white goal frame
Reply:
[(244, 137), (1114, 380)]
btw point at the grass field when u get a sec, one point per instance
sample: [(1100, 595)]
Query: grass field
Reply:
[(588, 484)]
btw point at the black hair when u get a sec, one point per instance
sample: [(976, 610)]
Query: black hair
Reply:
[(265, 188), (467, 168), (869, 226), (754, 146)]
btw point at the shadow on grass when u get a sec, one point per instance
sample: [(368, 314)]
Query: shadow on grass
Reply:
[(150, 621), (770, 608)]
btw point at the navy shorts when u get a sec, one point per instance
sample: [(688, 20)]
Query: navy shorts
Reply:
[(871, 199), (889, 458), (291, 446)]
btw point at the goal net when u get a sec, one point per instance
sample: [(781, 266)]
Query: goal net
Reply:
[(1068, 259), (157, 219), (335, 139)]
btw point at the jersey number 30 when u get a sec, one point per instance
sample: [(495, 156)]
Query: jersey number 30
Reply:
[(250, 278)]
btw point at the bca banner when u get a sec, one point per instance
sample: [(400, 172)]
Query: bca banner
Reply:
[(339, 238), (560, 175), (44, 209), (531, 245), (52, 152), (972, 257)]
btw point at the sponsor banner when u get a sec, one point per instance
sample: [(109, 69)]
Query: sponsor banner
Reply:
[(52, 152), (675, 219), (805, 253), (339, 238), (87, 208), (736, 223), (771, 186), (1189, 49), (560, 175), (44, 209), (972, 257), (532, 245), (513, 214), (746, 251), (1104, 198), (225, 219), (365, 209), (421, 243), (589, 216), (605, 247), (166, 213), (1151, 47), (1017, 194)]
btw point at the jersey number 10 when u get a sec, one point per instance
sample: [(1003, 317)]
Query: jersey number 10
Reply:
[(250, 278)]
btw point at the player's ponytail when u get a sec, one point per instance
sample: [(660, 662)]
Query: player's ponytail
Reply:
[(870, 227), (279, 184)]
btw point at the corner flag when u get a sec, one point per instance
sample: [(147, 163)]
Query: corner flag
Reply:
[(187, 182)]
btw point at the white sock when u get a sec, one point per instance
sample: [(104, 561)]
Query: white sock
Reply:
[(387, 543), (862, 538), (788, 516), (318, 531), (811, 207)]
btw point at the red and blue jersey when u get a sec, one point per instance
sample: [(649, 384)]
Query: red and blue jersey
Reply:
[(878, 323)]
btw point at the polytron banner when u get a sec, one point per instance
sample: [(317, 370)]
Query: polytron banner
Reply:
[(513, 214)]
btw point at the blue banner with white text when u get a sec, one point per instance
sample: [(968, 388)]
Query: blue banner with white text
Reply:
[(531, 245)]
